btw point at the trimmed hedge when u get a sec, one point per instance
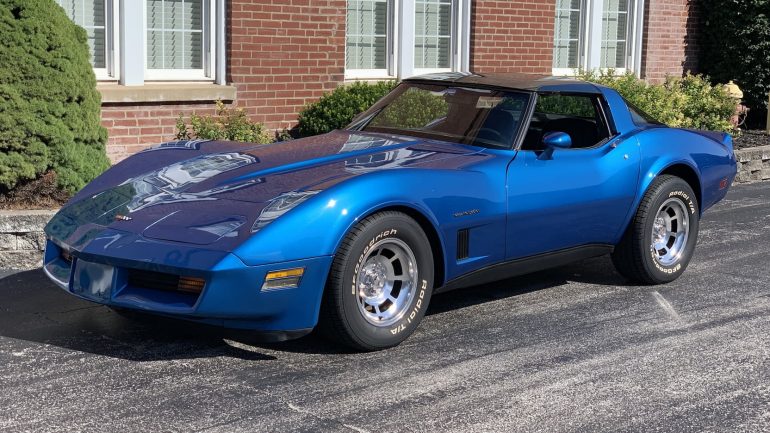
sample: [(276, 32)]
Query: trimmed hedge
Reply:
[(735, 45), (50, 114), (337, 109), (685, 102)]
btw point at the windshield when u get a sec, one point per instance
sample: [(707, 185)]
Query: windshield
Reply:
[(481, 117)]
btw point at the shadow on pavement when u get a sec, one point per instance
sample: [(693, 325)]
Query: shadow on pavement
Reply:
[(598, 271), (33, 309)]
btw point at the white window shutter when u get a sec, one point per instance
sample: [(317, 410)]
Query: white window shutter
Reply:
[(175, 34), (90, 14)]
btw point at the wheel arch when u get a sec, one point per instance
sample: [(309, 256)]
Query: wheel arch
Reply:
[(427, 226), (681, 169), (689, 175)]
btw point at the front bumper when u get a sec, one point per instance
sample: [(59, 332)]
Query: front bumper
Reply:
[(232, 296)]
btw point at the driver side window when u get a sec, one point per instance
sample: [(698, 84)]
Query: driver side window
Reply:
[(579, 116)]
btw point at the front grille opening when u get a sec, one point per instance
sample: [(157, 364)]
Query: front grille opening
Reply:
[(163, 281)]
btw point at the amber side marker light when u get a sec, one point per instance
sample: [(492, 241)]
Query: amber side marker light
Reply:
[(190, 284), (283, 279)]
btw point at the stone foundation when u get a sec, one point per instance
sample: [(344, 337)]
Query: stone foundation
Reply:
[(753, 164), (22, 240)]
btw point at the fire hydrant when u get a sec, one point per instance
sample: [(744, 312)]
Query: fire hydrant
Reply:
[(741, 111)]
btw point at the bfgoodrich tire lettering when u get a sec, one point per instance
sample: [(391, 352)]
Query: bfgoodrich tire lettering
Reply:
[(659, 243), (380, 283)]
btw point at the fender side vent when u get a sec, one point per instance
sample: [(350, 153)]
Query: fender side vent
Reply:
[(463, 246)]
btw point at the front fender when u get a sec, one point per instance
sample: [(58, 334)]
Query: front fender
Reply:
[(316, 227)]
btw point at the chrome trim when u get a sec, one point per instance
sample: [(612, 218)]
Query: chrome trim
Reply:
[(58, 282)]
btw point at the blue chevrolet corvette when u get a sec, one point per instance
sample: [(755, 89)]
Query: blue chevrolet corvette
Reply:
[(449, 181)]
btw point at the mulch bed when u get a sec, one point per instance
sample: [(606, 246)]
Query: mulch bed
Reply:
[(40, 193), (751, 138)]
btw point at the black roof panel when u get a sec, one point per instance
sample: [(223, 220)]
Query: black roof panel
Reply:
[(511, 80)]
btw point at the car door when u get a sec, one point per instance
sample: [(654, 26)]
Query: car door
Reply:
[(577, 196)]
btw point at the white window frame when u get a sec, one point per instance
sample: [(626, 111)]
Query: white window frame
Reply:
[(389, 71), (209, 44), (112, 30), (111, 57), (126, 36), (401, 40), (590, 38)]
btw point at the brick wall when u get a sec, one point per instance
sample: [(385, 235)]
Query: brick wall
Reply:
[(669, 43), (284, 53), (512, 36), (281, 54), (134, 127)]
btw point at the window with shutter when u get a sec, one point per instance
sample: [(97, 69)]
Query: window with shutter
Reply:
[(567, 34), (175, 34), (433, 34), (597, 34), (402, 38), (366, 36), (152, 40), (615, 34), (92, 16)]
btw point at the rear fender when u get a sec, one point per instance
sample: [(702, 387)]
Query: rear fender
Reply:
[(711, 161)]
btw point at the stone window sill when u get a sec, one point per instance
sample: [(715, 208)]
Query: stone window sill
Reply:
[(113, 93)]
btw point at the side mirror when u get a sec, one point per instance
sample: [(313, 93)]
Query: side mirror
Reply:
[(554, 140)]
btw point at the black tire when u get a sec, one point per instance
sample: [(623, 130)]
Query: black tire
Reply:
[(343, 310), (635, 257)]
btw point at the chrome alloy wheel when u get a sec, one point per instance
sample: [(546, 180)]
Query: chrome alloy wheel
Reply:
[(670, 231), (386, 282)]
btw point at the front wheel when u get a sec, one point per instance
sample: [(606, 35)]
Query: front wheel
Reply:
[(659, 242), (380, 283)]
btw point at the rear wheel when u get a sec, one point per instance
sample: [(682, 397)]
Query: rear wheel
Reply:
[(380, 283), (659, 242)]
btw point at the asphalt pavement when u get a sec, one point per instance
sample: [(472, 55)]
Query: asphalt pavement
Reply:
[(575, 349)]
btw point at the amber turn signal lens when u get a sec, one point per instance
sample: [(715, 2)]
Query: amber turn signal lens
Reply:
[(286, 273), (190, 284), (283, 279)]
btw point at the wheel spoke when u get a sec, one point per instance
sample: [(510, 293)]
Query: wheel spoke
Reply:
[(670, 231), (377, 282)]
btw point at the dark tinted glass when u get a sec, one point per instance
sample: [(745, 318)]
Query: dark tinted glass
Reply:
[(481, 117)]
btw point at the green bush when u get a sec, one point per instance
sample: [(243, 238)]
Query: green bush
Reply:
[(685, 102), (413, 109), (227, 124), (337, 109), (735, 45), (50, 110), (565, 105)]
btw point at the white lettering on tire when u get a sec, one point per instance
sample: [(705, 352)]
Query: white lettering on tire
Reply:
[(382, 235), (417, 305), (686, 197)]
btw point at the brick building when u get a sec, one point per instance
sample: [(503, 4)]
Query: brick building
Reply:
[(155, 59)]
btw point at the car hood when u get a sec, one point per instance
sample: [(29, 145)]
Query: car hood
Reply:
[(208, 193)]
